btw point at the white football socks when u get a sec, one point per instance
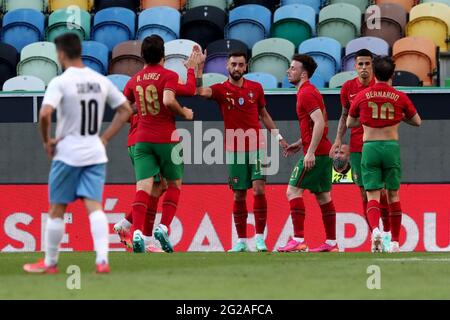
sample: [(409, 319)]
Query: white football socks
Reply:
[(100, 235), (54, 233)]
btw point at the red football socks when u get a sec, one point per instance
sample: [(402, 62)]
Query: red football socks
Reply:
[(373, 214), (240, 218), (170, 204), (260, 212), (329, 219), (396, 219), (139, 209), (129, 216), (149, 221), (384, 210), (298, 216)]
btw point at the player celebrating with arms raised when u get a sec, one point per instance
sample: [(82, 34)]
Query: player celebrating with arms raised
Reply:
[(380, 109)]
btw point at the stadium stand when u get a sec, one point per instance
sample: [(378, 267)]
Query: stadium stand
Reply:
[(315, 4), (392, 23), (39, 5), (65, 20), (129, 4), (126, 58), (95, 56), (218, 51), (212, 78), (120, 22), (406, 4), (62, 4), (163, 21), (406, 79), (295, 23), (119, 80), (269, 4), (9, 58), (375, 45), (146, 4), (24, 83), (340, 78), (203, 25), (22, 27), (39, 59), (177, 52), (361, 4), (221, 4), (267, 80)]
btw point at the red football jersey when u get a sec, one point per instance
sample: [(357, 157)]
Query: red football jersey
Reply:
[(348, 92), (381, 106), (240, 110), (187, 89), (309, 99)]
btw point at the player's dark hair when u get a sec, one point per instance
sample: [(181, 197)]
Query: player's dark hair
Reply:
[(364, 53), (152, 49), (383, 68), (70, 44), (308, 63), (238, 54)]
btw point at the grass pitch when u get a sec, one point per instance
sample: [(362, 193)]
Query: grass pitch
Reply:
[(233, 276)]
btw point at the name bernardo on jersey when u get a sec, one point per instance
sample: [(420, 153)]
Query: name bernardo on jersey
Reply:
[(382, 94)]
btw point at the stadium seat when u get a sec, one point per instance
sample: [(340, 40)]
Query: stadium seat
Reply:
[(119, 80), (447, 83), (406, 4), (163, 21), (339, 79), (216, 60), (340, 21), (430, 20), (406, 79), (22, 27), (221, 4), (376, 45), (39, 59), (294, 22), (267, 80), (361, 4), (416, 55), (177, 52), (126, 58), (24, 83), (212, 78), (62, 4), (9, 5), (120, 22), (317, 80), (285, 84), (249, 24), (95, 56), (272, 56), (327, 54), (133, 5), (146, 4), (269, 4), (444, 66), (9, 58), (392, 23), (447, 2), (63, 21), (203, 25), (315, 4)]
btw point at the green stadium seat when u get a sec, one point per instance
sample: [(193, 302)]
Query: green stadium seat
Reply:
[(339, 79), (24, 83), (212, 78), (430, 20), (9, 5), (62, 21), (272, 56), (221, 4), (447, 83), (361, 4), (340, 21), (40, 60)]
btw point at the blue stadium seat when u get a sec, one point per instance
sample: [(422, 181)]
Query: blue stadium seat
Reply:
[(119, 80), (327, 54), (95, 55), (315, 4), (375, 45), (286, 84), (22, 27), (317, 80), (267, 80), (249, 24), (163, 21), (113, 26)]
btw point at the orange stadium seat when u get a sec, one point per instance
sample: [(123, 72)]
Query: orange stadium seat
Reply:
[(406, 4), (416, 55), (126, 58), (145, 4)]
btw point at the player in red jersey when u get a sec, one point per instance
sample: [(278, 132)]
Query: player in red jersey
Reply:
[(153, 89), (380, 109), (122, 228), (313, 171), (243, 105), (365, 79)]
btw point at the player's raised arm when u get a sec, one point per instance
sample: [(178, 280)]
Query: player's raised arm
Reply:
[(171, 102)]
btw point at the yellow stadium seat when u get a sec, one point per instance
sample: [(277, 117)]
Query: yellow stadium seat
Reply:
[(430, 20), (416, 55), (176, 4), (61, 4)]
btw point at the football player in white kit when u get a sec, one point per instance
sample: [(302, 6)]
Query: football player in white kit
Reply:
[(78, 153)]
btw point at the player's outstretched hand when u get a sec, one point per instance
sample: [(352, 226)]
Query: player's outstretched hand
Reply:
[(188, 113), (309, 161), (50, 147), (284, 145), (291, 149), (336, 146)]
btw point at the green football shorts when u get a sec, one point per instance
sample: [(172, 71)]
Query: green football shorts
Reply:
[(316, 180), (244, 167)]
